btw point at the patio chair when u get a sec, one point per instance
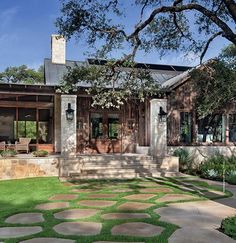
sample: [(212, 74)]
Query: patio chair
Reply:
[(3, 146), (22, 145)]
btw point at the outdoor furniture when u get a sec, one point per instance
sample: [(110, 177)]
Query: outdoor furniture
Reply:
[(22, 145), (3, 146)]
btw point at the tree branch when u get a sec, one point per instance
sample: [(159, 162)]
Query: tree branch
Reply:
[(227, 32), (231, 6), (208, 43)]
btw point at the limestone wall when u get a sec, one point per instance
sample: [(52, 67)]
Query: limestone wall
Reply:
[(200, 153), (16, 168)]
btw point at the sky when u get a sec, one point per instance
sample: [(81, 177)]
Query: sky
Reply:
[(26, 27)]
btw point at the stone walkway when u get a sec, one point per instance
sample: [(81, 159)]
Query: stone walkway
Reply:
[(198, 220), (202, 217)]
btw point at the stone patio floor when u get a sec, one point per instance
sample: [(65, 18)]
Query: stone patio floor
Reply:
[(198, 220)]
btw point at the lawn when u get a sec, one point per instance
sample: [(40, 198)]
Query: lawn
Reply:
[(21, 196)]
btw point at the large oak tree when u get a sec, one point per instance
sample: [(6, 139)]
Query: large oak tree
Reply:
[(157, 25), (162, 25)]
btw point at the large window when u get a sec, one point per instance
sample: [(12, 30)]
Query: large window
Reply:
[(185, 127), (104, 125), (45, 126), (210, 129), (26, 127), (232, 127), (113, 125), (96, 125)]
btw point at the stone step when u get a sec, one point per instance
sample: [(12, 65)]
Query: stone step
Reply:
[(118, 166)]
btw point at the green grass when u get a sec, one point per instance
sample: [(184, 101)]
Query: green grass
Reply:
[(18, 196)]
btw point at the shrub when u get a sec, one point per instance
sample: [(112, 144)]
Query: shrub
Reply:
[(214, 166), (8, 153), (231, 178), (40, 153), (185, 160), (228, 226)]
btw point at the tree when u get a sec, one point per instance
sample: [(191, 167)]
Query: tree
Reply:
[(22, 74), (162, 25), (215, 84)]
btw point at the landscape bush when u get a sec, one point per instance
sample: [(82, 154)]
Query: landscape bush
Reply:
[(228, 226), (8, 153), (186, 164), (215, 166), (40, 153)]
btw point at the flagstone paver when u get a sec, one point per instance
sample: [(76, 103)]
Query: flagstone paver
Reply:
[(125, 216), (199, 235), (200, 214), (51, 206), (155, 190), (78, 228), (175, 197), (63, 197), (83, 190), (149, 184), (97, 203), (102, 195), (15, 232), (135, 206), (122, 190), (76, 213), (139, 196), (68, 184), (47, 240), (25, 218), (137, 229)]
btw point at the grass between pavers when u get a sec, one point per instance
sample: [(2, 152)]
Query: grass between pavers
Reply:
[(19, 196)]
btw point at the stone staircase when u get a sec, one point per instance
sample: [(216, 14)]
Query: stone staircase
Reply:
[(116, 166)]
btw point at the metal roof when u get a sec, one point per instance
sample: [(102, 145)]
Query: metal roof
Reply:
[(54, 72)]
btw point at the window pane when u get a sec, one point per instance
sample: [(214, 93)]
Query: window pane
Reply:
[(31, 130), (232, 127), (45, 126), (97, 125), (113, 125), (185, 127), (210, 129), (7, 117)]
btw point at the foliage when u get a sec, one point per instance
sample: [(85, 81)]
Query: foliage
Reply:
[(214, 167), (160, 26), (8, 153), (215, 87), (185, 160), (228, 55), (228, 226), (105, 85), (22, 74), (40, 153), (231, 178)]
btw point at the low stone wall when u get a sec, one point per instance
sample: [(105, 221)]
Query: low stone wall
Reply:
[(200, 153), (16, 168)]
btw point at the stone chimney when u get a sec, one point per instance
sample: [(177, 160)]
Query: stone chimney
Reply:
[(58, 45)]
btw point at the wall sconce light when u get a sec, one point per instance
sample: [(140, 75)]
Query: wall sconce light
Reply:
[(162, 115), (69, 113)]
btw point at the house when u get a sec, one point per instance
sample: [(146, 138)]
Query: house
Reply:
[(41, 113)]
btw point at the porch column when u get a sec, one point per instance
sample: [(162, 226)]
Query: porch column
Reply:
[(158, 133), (68, 127)]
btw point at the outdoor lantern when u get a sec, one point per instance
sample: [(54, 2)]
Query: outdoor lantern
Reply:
[(162, 115), (69, 113)]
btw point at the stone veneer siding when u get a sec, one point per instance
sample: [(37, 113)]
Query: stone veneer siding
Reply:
[(16, 168)]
